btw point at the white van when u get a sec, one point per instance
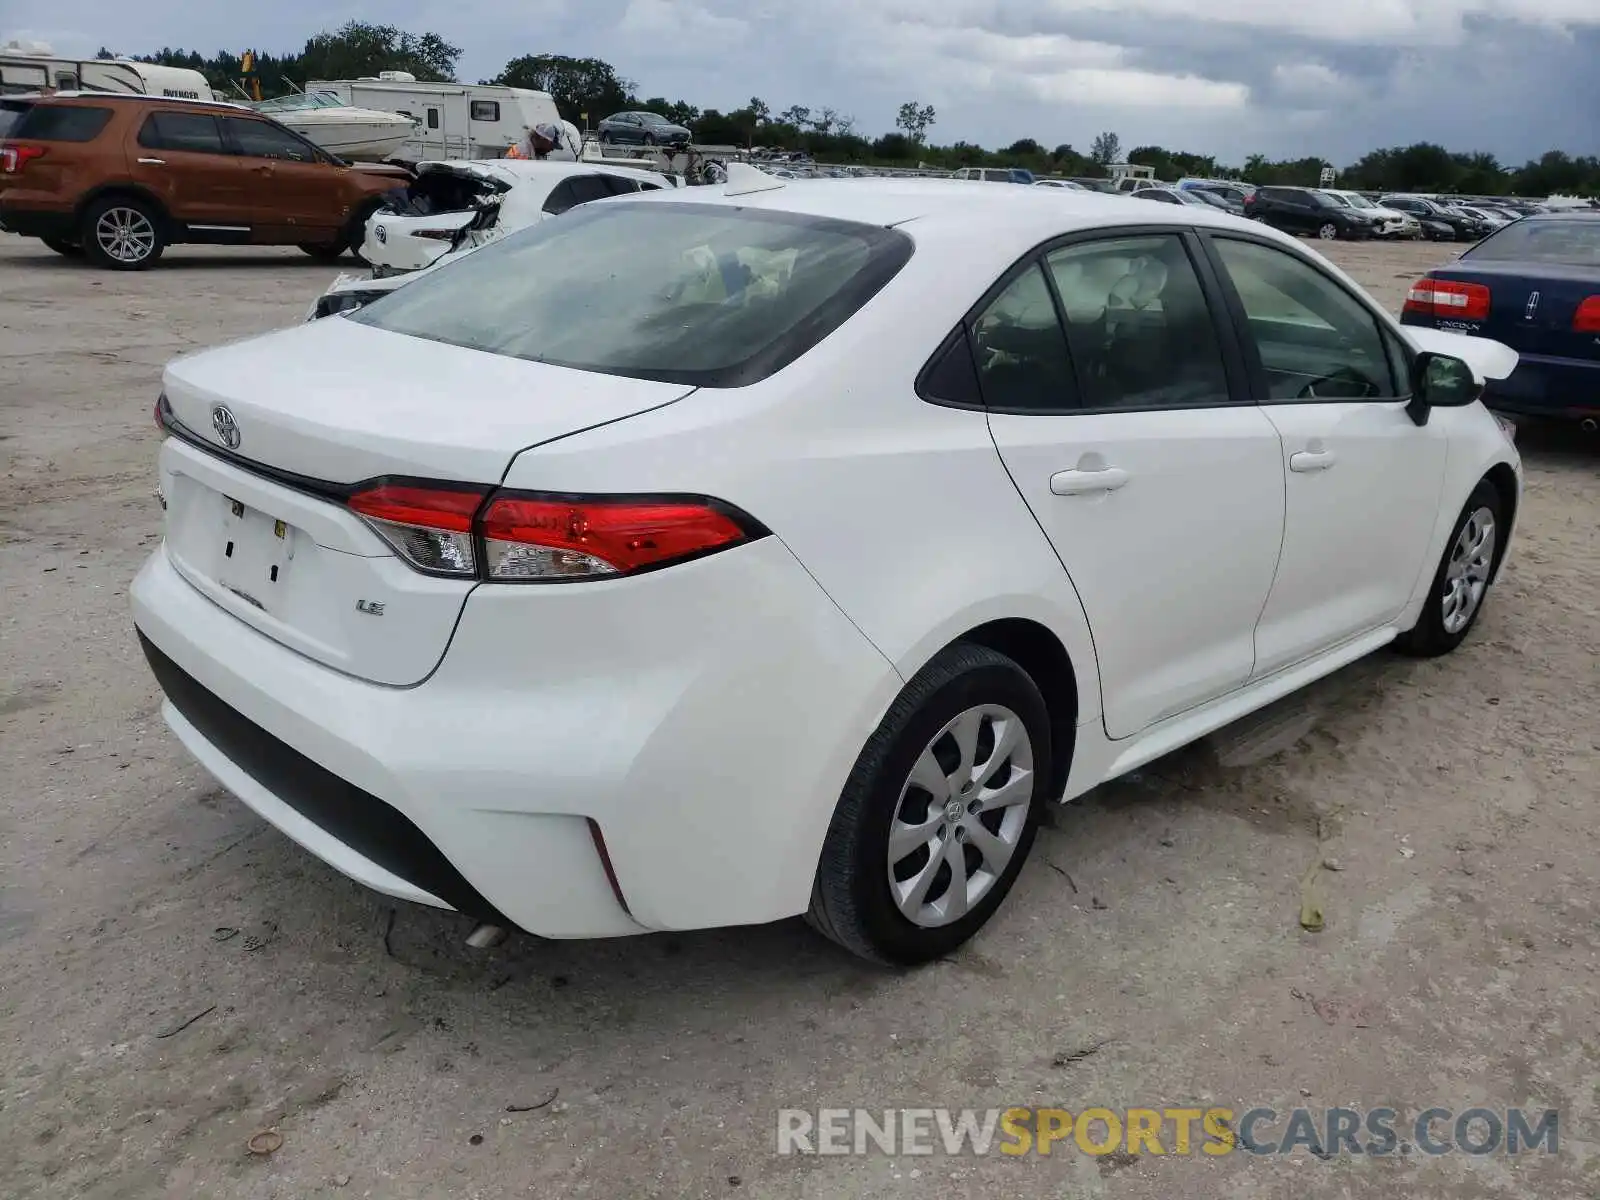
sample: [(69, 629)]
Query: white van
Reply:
[(34, 67), (454, 120)]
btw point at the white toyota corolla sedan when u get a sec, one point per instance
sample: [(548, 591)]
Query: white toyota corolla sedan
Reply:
[(707, 559)]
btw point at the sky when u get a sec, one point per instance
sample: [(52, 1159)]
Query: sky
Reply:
[(1284, 78)]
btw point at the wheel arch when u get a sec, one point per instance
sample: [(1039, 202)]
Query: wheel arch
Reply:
[(129, 189), (1038, 651), (1504, 481)]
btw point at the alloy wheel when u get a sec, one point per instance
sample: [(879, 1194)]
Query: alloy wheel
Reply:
[(1329, 232), (1466, 578), (960, 816), (125, 234)]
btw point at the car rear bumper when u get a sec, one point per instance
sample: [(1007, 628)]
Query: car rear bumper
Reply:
[(702, 719), (1548, 387), (37, 223)]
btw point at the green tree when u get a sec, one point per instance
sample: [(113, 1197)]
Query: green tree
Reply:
[(578, 85), (357, 48), (915, 120), (1106, 148)]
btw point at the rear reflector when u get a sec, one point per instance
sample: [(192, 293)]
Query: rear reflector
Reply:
[(539, 537), (1450, 299), (605, 862), (427, 525), (536, 537), (14, 157), (1587, 318)]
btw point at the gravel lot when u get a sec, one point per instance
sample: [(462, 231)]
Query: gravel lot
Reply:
[(1150, 956)]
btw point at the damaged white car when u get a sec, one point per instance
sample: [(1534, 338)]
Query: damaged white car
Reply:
[(454, 207)]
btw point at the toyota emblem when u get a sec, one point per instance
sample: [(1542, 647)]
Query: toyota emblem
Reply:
[(381, 234), (227, 428)]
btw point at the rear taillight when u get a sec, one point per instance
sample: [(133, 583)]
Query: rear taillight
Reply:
[(534, 537), (428, 526), (14, 157), (1587, 318), (1450, 299), (437, 235)]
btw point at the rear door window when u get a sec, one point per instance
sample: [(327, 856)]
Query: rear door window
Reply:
[(1141, 332), (259, 139), (61, 123), (580, 189), (197, 133)]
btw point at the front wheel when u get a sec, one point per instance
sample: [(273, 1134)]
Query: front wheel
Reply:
[(122, 234), (1461, 584), (939, 813), (1328, 232)]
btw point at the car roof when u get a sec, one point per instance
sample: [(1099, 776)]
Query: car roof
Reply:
[(946, 211)]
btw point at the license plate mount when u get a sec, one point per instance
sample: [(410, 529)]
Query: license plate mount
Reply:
[(253, 559)]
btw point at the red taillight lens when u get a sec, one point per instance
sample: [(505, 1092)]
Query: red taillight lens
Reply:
[(1450, 299), (427, 525), (1587, 318), (532, 537), (535, 538), (14, 157)]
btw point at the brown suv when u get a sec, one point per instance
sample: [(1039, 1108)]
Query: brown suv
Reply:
[(118, 178)]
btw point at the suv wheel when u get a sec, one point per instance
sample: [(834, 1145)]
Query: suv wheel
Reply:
[(324, 253), (122, 234), (1328, 232)]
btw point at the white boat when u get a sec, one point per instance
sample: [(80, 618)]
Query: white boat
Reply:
[(361, 134)]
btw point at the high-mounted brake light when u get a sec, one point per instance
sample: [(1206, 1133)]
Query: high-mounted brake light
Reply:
[(533, 537), (15, 156), (1449, 299), (538, 537), (1587, 318), (427, 525)]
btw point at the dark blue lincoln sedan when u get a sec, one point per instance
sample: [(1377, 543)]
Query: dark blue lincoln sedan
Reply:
[(1535, 286)]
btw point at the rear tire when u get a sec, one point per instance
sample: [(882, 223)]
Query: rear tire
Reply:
[(63, 247), (971, 715), (1461, 584), (122, 233)]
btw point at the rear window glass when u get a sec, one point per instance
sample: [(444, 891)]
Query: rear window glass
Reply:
[(61, 123), (1574, 240), (11, 112), (705, 295)]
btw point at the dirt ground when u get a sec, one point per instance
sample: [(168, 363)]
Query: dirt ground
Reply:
[(1151, 954)]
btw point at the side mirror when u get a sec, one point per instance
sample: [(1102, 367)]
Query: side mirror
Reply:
[(1440, 381)]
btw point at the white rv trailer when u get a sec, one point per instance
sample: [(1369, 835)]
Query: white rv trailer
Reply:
[(453, 120), (34, 67)]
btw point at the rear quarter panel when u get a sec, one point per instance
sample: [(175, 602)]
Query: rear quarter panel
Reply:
[(902, 510)]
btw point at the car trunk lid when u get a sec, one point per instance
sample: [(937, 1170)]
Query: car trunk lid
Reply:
[(274, 434), (1532, 306)]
